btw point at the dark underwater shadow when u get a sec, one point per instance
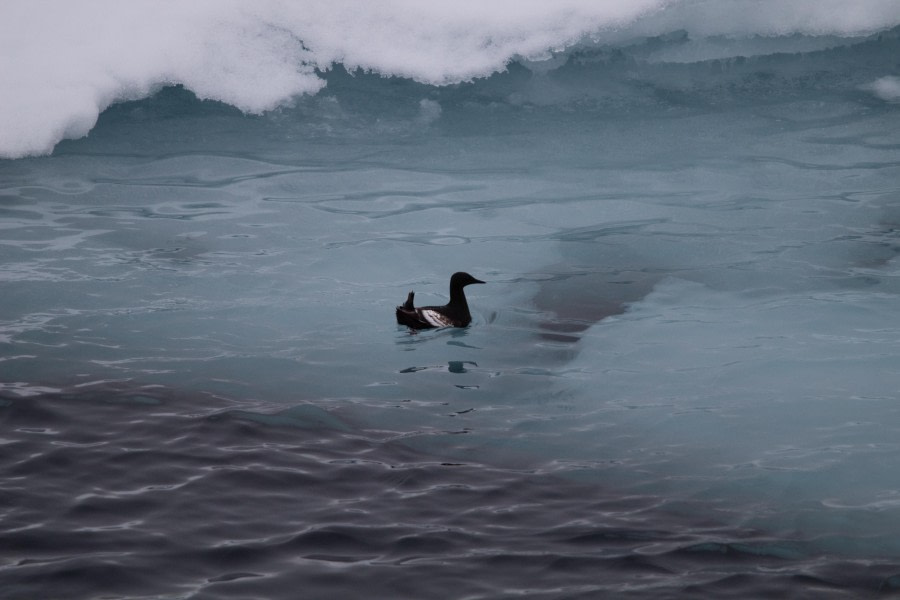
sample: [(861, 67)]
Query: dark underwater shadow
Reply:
[(575, 298)]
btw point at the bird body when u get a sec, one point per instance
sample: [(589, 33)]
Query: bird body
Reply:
[(453, 314)]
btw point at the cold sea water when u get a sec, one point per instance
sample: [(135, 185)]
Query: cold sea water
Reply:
[(682, 379)]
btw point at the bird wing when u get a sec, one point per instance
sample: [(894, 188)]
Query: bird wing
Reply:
[(434, 318)]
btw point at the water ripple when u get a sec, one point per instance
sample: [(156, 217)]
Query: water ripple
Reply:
[(229, 504)]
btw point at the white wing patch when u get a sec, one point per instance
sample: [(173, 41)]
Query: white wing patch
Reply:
[(434, 318)]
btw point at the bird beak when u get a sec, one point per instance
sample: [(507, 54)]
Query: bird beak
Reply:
[(477, 280)]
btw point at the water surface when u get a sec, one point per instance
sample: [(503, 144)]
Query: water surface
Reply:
[(681, 379)]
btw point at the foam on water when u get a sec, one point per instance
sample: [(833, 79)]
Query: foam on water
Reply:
[(886, 88), (63, 63)]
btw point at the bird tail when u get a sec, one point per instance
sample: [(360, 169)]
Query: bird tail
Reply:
[(408, 305)]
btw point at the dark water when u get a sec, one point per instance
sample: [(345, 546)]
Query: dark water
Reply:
[(154, 494)]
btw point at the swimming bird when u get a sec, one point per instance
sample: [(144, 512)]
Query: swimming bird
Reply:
[(454, 314)]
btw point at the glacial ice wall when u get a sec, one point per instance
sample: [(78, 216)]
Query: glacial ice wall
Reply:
[(63, 63)]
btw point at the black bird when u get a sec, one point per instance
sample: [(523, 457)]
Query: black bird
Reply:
[(454, 314)]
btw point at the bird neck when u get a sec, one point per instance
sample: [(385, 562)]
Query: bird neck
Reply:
[(458, 297)]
